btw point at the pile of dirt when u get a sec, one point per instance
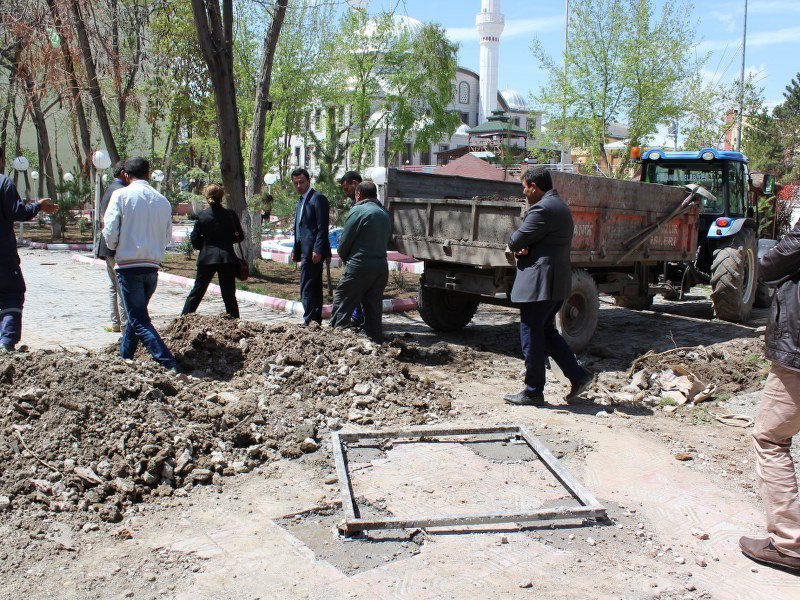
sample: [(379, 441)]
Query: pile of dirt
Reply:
[(88, 431)]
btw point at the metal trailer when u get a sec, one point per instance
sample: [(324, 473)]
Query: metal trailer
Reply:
[(624, 232)]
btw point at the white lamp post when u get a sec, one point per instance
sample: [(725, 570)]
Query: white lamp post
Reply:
[(158, 177), (101, 160), (21, 164), (68, 177)]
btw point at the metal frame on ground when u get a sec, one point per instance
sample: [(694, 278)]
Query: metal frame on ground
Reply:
[(353, 523)]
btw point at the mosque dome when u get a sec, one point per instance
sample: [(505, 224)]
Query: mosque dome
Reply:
[(514, 100), (463, 129), (402, 24)]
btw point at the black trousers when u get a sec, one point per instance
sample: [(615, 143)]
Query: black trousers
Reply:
[(540, 339), (311, 290), (12, 297), (361, 286), (227, 285)]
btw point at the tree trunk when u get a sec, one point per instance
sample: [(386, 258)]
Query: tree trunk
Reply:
[(94, 85), (74, 88), (215, 36), (262, 98)]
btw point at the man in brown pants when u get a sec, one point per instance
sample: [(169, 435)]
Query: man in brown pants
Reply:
[(779, 414)]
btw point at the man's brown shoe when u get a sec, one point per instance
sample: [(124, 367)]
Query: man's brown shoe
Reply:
[(761, 550)]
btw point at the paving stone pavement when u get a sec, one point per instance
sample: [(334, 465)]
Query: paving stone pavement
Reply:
[(67, 303)]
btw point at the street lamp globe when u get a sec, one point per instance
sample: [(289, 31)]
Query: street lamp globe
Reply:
[(21, 163), (270, 178), (35, 175), (68, 177), (377, 174), (157, 175), (101, 160)]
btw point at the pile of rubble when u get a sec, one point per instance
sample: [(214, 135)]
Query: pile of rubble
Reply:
[(690, 375), (88, 431)]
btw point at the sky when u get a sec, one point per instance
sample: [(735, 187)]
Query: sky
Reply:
[(773, 37)]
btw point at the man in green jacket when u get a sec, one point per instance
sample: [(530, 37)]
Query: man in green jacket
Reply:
[(362, 247)]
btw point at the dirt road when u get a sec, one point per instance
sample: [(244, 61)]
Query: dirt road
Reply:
[(672, 530)]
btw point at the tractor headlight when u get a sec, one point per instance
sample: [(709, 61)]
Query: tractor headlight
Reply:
[(707, 155)]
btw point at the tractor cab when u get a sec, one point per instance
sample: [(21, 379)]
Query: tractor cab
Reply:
[(724, 174)]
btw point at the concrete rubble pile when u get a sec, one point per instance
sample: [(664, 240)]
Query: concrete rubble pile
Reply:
[(85, 431)]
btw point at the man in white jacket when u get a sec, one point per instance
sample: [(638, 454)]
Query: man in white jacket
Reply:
[(138, 225)]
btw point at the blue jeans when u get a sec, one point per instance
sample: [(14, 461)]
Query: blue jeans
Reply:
[(540, 339), (136, 286)]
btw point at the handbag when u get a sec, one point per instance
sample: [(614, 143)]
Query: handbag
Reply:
[(242, 271)]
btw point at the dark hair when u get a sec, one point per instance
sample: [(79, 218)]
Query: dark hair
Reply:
[(137, 167), (540, 175), (118, 168), (351, 176), (300, 171), (367, 189)]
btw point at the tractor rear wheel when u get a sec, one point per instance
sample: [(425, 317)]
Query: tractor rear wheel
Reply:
[(734, 275)]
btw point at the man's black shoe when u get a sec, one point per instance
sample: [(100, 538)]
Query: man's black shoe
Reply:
[(525, 399), (579, 387)]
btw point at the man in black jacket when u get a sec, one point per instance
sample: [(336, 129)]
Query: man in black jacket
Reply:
[(778, 419), (12, 285), (118, 316), (543, 281), (311, 243)]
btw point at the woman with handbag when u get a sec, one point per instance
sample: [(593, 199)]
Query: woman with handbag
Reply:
[(215, 231)]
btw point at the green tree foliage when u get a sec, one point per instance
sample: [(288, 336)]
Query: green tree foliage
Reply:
[(397, 78), (788, 117), (626, 62)]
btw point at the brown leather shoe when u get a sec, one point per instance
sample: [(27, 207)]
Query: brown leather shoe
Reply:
[(761, 550)]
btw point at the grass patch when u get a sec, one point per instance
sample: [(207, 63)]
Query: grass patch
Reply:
[(664, 401)]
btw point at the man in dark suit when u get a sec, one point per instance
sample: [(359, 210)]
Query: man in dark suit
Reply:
[(311, 243), (543, 281), (118, 316)]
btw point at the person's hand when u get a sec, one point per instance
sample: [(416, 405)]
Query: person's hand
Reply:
[(47, 207), (522, 252), (292, 258), (316, 257)]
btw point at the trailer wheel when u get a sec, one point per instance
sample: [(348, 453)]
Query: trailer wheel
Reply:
[(764, 295), (734, 274), (577, 319), (444, 310)]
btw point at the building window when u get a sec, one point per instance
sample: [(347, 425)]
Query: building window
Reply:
[(408, 154), (516, 121), (318, 118), (443, 147), (425, 156), (465, 118), (297, 155), (463, 92)]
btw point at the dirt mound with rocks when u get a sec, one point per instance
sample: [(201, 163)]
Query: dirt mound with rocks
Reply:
[(91, 432)]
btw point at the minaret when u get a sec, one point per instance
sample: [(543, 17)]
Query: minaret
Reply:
[(490, 24)]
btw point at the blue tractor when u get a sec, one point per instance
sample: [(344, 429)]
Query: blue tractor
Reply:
[(728, 246)]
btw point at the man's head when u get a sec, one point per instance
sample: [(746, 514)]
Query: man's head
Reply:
[(349, 181), (536, 182), (301, 180), (119, 171), (366, 190), (137, 168)]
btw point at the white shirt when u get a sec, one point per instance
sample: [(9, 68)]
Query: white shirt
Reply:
[(138, 225)]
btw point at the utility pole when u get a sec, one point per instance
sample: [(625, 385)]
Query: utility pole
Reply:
[(741, 83)]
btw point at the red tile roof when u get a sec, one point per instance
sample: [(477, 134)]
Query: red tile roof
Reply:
[(472, 166)]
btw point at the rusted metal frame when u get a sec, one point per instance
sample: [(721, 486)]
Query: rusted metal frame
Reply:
[(590, 506), (421, 432), (348, 502), (573, 486), (550, 514), (460, 202)]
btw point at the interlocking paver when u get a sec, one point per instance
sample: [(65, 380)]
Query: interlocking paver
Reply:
[(67, 303)]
